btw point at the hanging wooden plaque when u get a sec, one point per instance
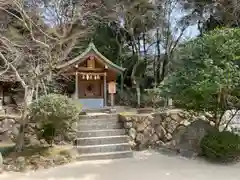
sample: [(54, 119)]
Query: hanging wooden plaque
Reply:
[(91, 62), (112, 87)]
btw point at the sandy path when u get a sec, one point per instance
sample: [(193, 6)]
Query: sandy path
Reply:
[(144, 166)]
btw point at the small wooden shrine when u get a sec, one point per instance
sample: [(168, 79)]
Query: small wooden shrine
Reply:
[(95, 78)]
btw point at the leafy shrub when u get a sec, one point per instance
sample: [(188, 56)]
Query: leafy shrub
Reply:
[(54, 114), (153, 98), (206, 74), (221, 146), (126, 98), (47, 132)]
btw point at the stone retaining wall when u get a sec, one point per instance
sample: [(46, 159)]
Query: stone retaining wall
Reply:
[(9, 129), (153, 129)]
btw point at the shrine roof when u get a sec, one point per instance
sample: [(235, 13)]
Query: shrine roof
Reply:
[(89, 51)]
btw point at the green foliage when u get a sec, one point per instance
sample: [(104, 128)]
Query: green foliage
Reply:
[(109, 39), (152, 98), (55, 115), (221, 146), (208, 74), (48, 132)]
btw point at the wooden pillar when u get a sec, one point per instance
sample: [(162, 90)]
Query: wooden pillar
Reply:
[(112, 99), (105, 89), (76, 84), (112, 91)]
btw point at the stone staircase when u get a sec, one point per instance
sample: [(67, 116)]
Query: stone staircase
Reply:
[(101, 137)]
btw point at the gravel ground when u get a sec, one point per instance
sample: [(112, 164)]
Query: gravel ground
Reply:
[(145, 165)]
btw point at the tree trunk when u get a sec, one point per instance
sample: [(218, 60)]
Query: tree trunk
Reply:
[(158, 64), (138, 94), (28, 96), (139, 45), (144, 48), (164, 68)]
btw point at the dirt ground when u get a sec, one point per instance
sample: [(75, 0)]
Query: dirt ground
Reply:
[(147, 165)]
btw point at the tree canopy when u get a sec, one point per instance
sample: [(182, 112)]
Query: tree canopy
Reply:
[(207, 77)]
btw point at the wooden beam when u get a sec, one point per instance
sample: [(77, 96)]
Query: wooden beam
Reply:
[(76, 85), (84, 73), (90, 69)]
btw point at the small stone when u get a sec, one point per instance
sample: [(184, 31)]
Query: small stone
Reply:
[(154, 121), (176, 117), (3, 130), (43, 141), (185, 123), (168, 136), (128, 125), (208, 115), (141, 127), (140, 138), (34, 141), (154, 139), (160, 143), (202, 117), (170, 125), (38, 126), (62, 143), (132, 133), (128, 118), (132, 144), (182, 114), (212, 123), (158, 118), (59, 159), (149, 130), (11, 121), (20, 163), (160, 131), (147, 121)]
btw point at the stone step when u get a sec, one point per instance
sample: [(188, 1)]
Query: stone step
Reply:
[(102, 156), (98, 121), (103, 148), (101, 140), (98, 116), (100, 133), (100, 110), (86, 127)]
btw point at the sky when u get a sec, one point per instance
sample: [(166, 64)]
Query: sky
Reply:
[(191, 31)]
